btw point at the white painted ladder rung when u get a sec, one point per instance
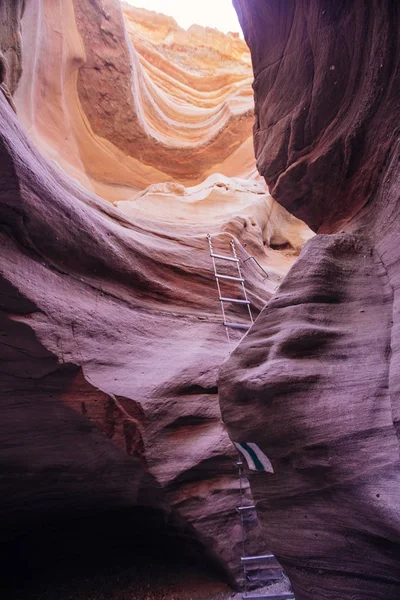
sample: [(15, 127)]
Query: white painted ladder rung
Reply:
[(245, 508), (247, 560), (270, 595), (236, 300), (222, 257), (229, 277), (237, 325), (243, 298)]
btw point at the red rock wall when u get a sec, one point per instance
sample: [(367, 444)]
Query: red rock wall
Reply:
[(73, 449), (315, 382), (326, 83), (123, 153), (109, 366)]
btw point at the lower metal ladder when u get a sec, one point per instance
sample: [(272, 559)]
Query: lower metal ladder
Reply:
[(267, 560)]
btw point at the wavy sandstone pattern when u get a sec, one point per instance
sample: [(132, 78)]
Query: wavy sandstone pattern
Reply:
[(115, 336), (316, 381)]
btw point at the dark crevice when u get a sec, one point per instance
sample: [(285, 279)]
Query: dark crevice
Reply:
[(52, 552), (189, 421), (281, 246), (194, 389)]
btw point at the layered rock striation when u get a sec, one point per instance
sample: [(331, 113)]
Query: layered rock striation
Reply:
[(131, 140), (172, 105), (315, 382)]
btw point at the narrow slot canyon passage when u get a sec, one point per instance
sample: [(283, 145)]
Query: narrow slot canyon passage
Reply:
[(126, 139), (198, 300)]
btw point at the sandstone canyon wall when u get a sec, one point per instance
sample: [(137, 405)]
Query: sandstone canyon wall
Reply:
[(316, 381), (130, 141)]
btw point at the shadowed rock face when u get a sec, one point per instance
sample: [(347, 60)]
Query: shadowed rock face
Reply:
[(76, 502), (316, 381), (326, 90)]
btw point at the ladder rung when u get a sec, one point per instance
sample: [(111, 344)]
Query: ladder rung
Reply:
[(224, 257), (237, 325), (244, 508), (234, 300), (274, 571), (270, 595), (255, 559), (273, 576), (229, 277)]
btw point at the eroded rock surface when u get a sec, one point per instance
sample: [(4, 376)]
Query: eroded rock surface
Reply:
[(315, 382), (120, 159)]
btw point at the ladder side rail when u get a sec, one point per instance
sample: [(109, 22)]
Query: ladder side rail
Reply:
[(219, 290), (242, 283), (242, 521), (258, 264)]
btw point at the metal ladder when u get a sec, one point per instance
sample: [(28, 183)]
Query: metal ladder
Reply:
[(267, 561), (238, 277)]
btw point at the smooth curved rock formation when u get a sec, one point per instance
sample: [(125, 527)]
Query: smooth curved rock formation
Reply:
[(74, 455), (172, 106), (119, 116), (112, 329), (315, 382)]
